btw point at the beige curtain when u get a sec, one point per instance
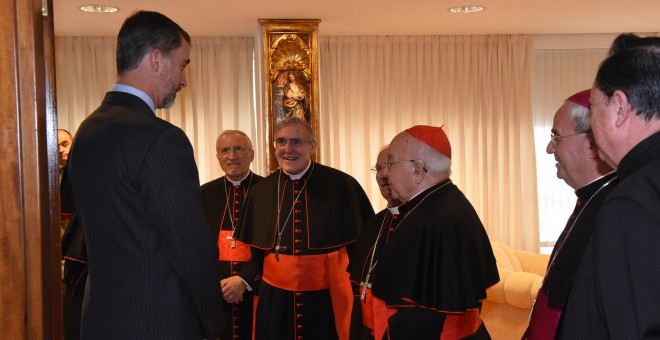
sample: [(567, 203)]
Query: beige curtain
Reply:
[(478, 87), (219, 94), (557, 74), (85, 69), (563, 64)]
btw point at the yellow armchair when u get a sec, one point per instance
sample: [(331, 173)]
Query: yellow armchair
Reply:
[(508, 303)]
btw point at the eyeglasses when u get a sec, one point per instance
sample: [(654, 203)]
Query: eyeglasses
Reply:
[(389, 163), (294, 142), (378, 168), (555, 138), (239, 150)]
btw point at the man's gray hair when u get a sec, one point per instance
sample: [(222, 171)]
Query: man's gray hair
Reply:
[(434, 161), (580, 115), (295, 121), (232, 132)]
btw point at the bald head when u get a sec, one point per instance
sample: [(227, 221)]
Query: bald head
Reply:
[(64, 141)]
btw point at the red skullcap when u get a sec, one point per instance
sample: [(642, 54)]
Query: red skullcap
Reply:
[(581, 98), (433, 136)]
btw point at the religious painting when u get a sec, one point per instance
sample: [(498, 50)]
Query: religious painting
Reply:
[(291, 74)]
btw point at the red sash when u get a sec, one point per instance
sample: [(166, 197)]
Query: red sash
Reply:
[(457, 325), (315, 272), (226, 253), (375, 314), (461, 325), (543, 319)]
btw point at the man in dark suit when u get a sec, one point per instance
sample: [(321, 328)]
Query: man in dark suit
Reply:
[(152, 264)]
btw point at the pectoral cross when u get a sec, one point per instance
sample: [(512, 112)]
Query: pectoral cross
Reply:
[(233, 241), (278, 248), (365, 284)]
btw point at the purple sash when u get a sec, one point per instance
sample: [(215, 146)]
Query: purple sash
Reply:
[(543, 320)]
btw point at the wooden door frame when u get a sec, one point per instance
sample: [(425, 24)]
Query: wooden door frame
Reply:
[(30, 274)]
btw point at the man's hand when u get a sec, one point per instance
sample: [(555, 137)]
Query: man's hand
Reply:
[(233, 289)]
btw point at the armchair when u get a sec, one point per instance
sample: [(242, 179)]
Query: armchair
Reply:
[(509, 302)]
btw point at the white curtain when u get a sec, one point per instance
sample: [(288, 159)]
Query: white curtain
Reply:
[(478, 87), (219, 95)]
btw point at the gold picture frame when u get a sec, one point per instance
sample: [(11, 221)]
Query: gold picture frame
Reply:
[(290, 75)]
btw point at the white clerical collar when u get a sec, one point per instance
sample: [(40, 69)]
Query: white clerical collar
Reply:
[(237, 183), (607, 174), (136, 92), (393, 210), (300, 175)]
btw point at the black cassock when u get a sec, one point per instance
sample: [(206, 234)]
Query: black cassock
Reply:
[(223, 204), (364, 259), (437, 262), (319, 215)]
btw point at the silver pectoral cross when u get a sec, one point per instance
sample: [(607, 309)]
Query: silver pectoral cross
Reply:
[(233, 241), (364, 285)]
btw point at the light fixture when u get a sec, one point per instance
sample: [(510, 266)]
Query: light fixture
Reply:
[(98, 9), (467, 9)]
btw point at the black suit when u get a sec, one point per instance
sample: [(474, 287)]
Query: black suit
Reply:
[(152, 270)]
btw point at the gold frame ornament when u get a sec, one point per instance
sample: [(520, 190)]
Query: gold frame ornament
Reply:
[(290, 75)]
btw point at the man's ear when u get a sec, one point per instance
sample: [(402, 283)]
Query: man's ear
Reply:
[(155, 59), (624, 110), (592, 148), (418, 172)]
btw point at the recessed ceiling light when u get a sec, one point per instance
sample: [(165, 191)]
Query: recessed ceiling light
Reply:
[(99, 9), (466, 9)]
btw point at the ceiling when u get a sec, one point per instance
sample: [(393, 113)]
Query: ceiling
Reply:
[(373, 17)]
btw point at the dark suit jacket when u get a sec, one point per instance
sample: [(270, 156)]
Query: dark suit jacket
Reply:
[(151, 256)]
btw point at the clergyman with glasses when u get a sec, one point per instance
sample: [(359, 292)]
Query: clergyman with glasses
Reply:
[(433, 272), (368, 320), (559, 310), (299, 221), (223, 200)]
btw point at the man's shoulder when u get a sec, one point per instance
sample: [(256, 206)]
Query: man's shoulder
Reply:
[(330, 173), (127, 114), (212, 185), (260, 183), (376, 219), (641, 186), (256, 178), (650, 171), (447, 204)]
